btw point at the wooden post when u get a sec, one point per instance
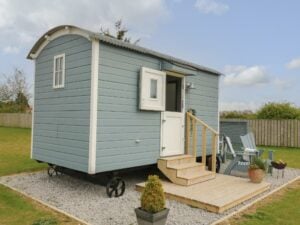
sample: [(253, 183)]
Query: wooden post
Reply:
[(187, 133), (214, 152), (203, 149), (195, 137)]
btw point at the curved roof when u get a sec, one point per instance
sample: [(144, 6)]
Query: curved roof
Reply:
[(69, 29)]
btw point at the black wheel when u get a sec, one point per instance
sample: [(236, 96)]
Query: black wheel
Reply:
[(115, 187), (52, 171)]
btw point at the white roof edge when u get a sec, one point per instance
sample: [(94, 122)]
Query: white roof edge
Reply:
[(86, 33)]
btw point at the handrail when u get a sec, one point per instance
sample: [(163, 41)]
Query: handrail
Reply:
[(202, 122), (191, 126)]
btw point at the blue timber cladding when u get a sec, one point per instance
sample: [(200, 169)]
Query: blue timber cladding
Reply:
[(120, 122), (62, 116)]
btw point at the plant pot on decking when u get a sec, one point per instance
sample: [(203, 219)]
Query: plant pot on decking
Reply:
[(256, 175)]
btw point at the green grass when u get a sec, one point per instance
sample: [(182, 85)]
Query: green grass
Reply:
[(289, 155), (15, 151), (16, 209), (280, 208)]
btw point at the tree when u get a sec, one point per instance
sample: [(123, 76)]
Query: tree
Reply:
[(22, 100), (120, 33), (273, 110), (13, 85), (247, 114), (14, 93)]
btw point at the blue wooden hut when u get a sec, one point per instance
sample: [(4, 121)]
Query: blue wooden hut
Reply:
[(101, 104)]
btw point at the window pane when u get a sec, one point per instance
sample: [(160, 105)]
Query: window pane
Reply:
[(56, 64), (56, 79), (153, 88), (60, 63), (60, 78)]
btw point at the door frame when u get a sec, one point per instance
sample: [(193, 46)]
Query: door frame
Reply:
[(183, 79)]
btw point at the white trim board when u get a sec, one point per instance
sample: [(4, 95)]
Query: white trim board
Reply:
[(57, 34), (93, 106), (32, 110)]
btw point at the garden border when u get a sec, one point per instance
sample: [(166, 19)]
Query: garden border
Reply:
[(243, 208), (46, 204)]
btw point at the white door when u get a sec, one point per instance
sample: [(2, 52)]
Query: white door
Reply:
[(172, 119), (172, 128)]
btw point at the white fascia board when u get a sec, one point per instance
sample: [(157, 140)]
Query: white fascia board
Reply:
[(93, 106), (32, 112)]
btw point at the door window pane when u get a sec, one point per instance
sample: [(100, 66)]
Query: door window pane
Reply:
[(153, 88)]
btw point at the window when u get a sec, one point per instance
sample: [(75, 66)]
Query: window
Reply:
[(153, 88), (59, 71)]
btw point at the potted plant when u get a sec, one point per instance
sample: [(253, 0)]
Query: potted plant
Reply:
[(152, 210), (256, 170)]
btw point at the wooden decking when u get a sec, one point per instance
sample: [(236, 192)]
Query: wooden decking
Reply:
[(216, 195)]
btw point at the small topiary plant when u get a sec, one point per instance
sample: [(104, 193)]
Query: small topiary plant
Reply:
[(257, 163), (153, 197)]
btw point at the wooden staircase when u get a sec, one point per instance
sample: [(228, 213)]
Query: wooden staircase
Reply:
[(183, 169)]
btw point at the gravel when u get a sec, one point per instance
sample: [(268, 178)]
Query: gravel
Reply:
[(90, 203)]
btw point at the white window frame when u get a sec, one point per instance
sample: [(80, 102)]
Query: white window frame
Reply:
[(146, 101), (62, 85)]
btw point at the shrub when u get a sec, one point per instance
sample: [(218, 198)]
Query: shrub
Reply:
[(247, 114), (257, 163), (273, 110), (153, 197)]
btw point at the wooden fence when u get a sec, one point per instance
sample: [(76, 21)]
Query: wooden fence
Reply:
[(22, 120), (283, 133)]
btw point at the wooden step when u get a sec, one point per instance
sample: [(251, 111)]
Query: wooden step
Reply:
[(184, 170), (195, 178), (187, 168), (180, 159)]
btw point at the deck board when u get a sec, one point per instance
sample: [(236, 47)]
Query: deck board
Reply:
[(216, 195)]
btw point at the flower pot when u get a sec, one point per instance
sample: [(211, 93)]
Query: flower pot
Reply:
[(147, 218), (256, 175)]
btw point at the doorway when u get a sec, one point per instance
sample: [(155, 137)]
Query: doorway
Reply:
[(172, 119)]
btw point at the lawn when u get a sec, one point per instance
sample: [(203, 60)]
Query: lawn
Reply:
[(15, 151), (289, 155), (283, 207), (16, 209)]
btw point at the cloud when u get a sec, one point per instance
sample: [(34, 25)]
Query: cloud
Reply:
[(293, 64), (22, 22), (245, 76), (239, 106), (11, 50), (282, 84), (211, 7)]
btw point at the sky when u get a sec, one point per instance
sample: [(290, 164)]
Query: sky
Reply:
[(254, 43)]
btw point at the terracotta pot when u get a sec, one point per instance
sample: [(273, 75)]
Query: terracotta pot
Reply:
[(256, 175)]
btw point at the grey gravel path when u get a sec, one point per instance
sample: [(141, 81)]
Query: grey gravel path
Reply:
[(90, 203)]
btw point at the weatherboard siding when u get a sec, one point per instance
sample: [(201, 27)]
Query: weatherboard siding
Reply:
[(62, 116), (120, 122), (204, 99)]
